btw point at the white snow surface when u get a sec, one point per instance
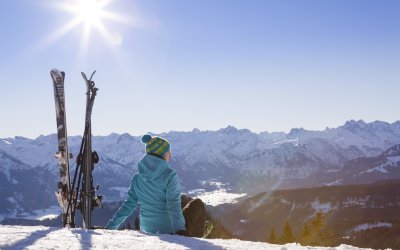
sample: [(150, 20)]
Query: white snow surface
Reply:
[(334, 183), (323, 207), (391, 161), (39, 214), (219, 197), (39, 237), (42, 214), (295, 142), (366, 226), (6, 142), (380, 169)]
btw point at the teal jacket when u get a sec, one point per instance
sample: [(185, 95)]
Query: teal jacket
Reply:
[(156, 189)]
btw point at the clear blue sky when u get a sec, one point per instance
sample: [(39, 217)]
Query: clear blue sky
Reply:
[(177, 65)]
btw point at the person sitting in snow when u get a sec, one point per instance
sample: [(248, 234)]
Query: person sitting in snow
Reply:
[(156, 188)]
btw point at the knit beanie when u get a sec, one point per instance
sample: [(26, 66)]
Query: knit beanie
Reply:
[(156, 145)]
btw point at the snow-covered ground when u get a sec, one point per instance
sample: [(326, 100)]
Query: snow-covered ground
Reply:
[(39, 237), (366, 226), (217, 197), (322, 207), (39, 214), (42, 214)]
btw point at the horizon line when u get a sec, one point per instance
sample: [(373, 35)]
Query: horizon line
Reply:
[(359, 121)]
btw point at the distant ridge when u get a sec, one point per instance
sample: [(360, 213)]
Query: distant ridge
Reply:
[(235, 160)]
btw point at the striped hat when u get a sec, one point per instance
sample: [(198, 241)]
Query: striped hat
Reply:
[(156, 145)]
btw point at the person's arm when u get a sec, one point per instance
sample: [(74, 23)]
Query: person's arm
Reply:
[(127, 208), (173, 196)]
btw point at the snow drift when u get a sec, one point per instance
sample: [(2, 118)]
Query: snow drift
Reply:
[(38, 237)]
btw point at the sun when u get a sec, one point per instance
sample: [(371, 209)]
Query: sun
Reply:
[(90, 15), (89, 11)]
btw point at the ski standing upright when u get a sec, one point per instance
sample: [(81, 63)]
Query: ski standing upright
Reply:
[(88, 158), (67, 194), (63, 155)]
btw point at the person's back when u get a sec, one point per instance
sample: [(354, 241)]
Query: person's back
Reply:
[(156, 189)]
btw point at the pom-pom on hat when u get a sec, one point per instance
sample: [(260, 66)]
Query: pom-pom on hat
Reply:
[(156, 145)]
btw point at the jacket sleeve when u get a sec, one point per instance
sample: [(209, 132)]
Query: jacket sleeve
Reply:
[(173, 195), (127, 208)]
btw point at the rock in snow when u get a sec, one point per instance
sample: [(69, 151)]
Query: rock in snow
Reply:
[(39, 237)]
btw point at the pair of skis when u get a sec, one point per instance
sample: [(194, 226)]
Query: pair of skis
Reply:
[(67, 194)]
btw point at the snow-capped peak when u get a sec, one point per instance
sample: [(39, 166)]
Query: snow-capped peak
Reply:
[(393, 151), (352, 125), (296, 132), (228, 130), (6, 141)]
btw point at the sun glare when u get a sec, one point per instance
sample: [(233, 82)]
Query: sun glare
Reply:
[(90, 15), (89, 11)]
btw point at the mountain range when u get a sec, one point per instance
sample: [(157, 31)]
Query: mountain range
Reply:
[(238, 159), (364, 215)]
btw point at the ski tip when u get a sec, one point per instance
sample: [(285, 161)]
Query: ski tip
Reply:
[(57, 75), (92, 75), (54, 71), (85, 77)]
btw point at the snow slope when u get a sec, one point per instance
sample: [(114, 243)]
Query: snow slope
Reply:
[(245, 162), (38, 237)]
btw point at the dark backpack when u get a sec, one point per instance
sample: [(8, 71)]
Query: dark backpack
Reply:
[(195, 216)]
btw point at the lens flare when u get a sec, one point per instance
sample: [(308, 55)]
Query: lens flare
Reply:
[(89, 11), (90, 16)]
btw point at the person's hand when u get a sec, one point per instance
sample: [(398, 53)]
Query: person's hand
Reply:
[(182, 233)]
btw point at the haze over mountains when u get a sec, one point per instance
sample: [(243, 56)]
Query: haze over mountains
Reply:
[(237, 160), (359, 215)]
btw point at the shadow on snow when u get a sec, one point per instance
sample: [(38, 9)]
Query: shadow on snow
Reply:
[(30, 240)]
